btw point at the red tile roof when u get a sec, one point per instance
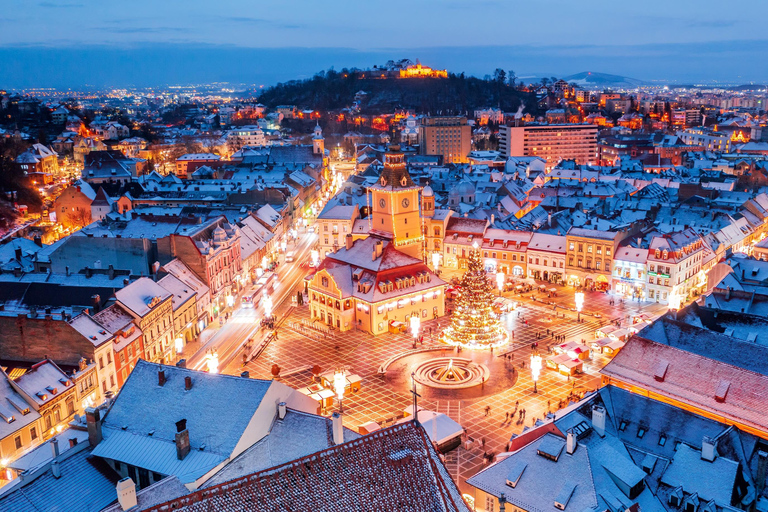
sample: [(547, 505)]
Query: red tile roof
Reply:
[(694, 380), (392, 469)]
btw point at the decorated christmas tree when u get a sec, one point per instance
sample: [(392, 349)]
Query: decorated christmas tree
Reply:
[(474, 323)]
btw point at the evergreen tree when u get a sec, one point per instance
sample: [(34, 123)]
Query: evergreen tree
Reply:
[(474, 323)]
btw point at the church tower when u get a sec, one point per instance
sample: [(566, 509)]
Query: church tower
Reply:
[(318, 142), (395, 206)]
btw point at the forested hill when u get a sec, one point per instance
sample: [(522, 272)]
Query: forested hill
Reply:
[(332, 90)]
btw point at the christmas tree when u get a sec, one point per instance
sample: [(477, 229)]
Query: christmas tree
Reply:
[(474, 323)]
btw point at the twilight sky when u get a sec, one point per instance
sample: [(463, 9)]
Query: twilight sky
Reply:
[(102, 43)]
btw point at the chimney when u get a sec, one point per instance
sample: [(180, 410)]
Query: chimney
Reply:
[(182, 439), (38, 241), (598, 419), (56, 469), (72, 442), (181, 363), (126, 493), (55, 447), (161, 377), (281, 410), (338, 429), (96, 302), (187, 383), (570, 445), (549, 220), (246, 374), (379, 248), (742, 275), (762, 470), (18, 253), (111, 272), (349, 241), (66, 270), (728, 293), (93, 421), (708, 449)]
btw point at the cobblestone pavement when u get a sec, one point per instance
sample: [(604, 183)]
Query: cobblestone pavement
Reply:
[(296, 350)]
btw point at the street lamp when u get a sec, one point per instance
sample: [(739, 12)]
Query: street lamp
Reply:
[(212, 360), (415, 324), (283, 245), (339, 383), (579, 304), (500, 281), (435, 260), (267, 306), (675, 300), (535, 370)]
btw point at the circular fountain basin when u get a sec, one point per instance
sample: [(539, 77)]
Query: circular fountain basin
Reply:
[(451, 373)]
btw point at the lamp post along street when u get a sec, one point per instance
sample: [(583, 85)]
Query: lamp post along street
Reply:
[(339, 383), (500, 281), (535, 370), (579, 305)]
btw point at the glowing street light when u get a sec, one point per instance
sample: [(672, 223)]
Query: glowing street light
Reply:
[(267, 306), (415, 325), (314, 257), (500, 281), (675, 300), (339, 385), (436, 260), (535, 370), (212, 360), (579, 305), (283, 245)]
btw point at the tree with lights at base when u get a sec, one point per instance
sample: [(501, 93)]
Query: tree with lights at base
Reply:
[(474, 324)]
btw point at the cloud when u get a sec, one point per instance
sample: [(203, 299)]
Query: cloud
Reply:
[(712, 24), (263, 22), (60, 5), (139, 30)]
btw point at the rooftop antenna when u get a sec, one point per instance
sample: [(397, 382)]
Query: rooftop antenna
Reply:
[(416, 397)]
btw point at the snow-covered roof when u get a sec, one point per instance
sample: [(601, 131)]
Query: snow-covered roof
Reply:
[(141, 296)]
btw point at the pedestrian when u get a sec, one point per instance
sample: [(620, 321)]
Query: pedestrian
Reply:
[(506, 418), (487, 412)]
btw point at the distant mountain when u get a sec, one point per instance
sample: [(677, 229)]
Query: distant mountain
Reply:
[(593, 79), (331, 90)]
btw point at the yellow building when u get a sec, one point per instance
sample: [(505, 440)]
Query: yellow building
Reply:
[(378, 283)]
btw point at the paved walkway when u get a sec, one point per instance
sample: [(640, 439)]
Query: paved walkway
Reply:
[(378, 400)]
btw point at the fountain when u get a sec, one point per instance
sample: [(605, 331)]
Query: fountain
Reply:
[(451, 373)]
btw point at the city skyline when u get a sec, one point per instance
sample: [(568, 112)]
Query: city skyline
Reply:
[(173, 43)]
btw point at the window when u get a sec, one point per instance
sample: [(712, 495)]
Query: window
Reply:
[(70, 407), (57, 415), (662, 440), (581, 247), (640, 432), (622, 426), (571, 246), (33, 433), (109, 357), (112, 380), (597, 265), (589, 248), (17, 440), (490, 503), (101, 363), (104, 385)]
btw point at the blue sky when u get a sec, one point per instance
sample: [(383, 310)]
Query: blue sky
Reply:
[(669, 40)]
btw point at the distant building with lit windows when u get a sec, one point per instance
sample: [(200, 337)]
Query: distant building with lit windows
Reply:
[(447, 136), (552, 142)]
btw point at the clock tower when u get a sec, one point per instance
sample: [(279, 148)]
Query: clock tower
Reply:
[(395, 206)]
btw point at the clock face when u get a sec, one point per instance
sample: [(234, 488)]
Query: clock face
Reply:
[(406, 202), (382, 202)]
